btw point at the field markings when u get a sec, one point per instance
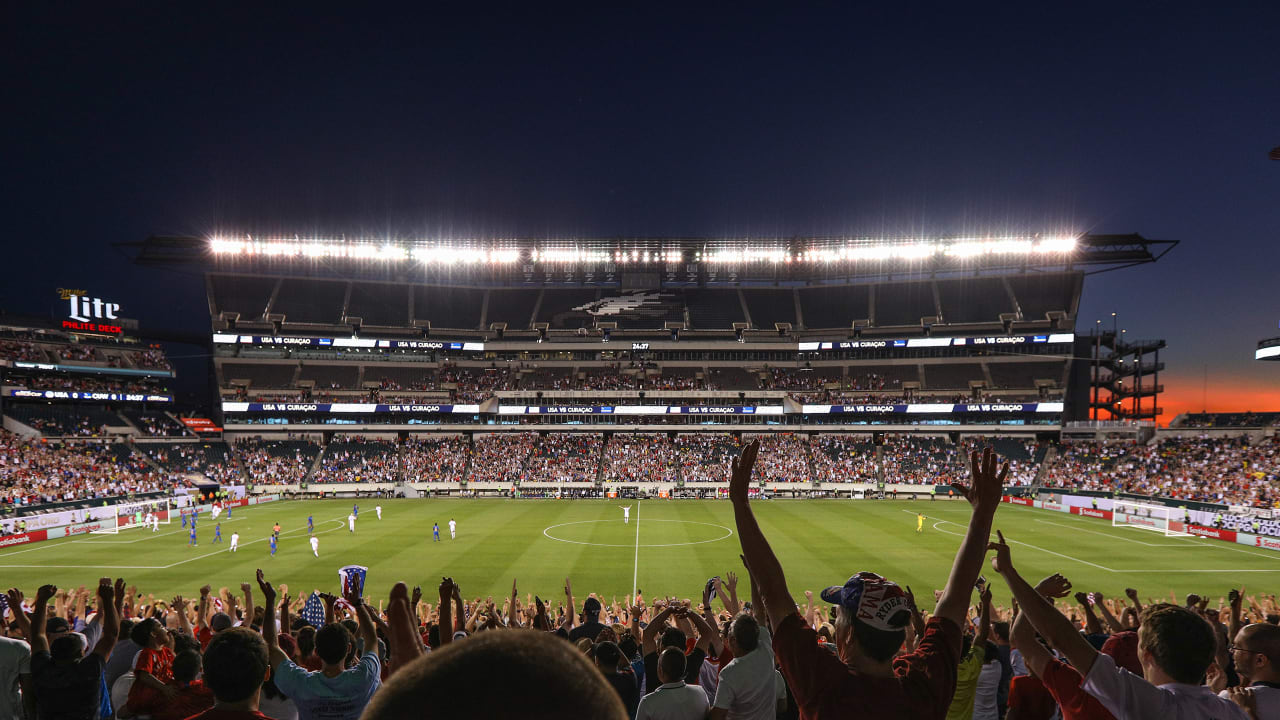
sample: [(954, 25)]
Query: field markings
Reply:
[(635, 572), (546, 532), (340, 521), (1100, 567), (149, 536), (1195, 542)]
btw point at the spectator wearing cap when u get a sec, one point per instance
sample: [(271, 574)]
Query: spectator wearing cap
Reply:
[(1256, 652), (591, 625), (608, 659), (749, 687), (674, 699), (872, 614), (1175, 646)]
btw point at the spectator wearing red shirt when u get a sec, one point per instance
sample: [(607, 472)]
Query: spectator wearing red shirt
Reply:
[(191, 696), (1030, 700), (872, 614), (152, 670)]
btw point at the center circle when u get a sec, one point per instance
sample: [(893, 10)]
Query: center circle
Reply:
[(727, 534)]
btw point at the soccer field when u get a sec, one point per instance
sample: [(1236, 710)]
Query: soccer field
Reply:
[(667, 548)]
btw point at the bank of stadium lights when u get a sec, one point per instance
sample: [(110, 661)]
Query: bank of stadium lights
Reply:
[(434, 254)]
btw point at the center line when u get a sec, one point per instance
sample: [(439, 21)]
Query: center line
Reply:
[(635, 575)]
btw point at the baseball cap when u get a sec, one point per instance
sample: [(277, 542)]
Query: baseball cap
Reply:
[(1123, 648), (56, 625), (219, 622), (873, 600), (591, 606)]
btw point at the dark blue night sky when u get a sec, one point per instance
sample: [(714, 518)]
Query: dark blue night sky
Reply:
[(134, 119)]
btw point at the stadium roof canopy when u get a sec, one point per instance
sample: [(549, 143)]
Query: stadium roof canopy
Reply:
[(1268, 350), (776, 260)]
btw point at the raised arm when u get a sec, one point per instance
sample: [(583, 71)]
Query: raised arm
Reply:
[(649, 641), (184, 619), (110, 618), (248, 603), (1041, 613), (404, 644), (1112, 624), (568, 601), (731, 584), (1236, 598), (202, 609), (766, 571), (269, 620), (39, 641), (459, 615), (984, 616), (984, 496), (707, 636), (1024, 639), (446, 610), (1091, 623), (367, 632), (1133, 597)]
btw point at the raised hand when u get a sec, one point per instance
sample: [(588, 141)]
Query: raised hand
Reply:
[(204, 591), (1003, 561), (45, 593), (740, 478), (731, 580), (1055, 586), (1131, 594), (447, 589), (417, 595), (245, 588), (1082, 598), (987, 481), (268, 592)]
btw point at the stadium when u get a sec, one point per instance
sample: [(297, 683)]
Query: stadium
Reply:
[(572, 412)]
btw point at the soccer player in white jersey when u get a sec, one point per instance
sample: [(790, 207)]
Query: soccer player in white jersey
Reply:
[(155, 522), (217, 510), (626, 514), (453, 529), (315, 546), (235, 541), (378, 509), (351, 522)]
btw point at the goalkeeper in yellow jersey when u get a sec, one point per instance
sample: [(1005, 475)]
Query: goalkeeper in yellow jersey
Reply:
[(919, 522)]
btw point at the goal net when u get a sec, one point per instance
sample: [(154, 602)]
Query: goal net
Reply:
[(1159, 518), (124, 516)]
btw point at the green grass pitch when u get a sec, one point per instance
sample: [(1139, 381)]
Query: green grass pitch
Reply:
[(668, 548)]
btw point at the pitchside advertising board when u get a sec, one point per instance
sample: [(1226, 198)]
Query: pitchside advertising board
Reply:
[(84, 528), (1082, 506)]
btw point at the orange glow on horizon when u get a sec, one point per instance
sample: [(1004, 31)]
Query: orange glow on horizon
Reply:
[(1187, 395)]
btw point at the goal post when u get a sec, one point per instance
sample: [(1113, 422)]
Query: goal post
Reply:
[(127, 515), (1144, 516)]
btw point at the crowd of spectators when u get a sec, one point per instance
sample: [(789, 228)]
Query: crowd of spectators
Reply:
[(33, 471), (565, 458), (22, 350), (76, 353), (705, 457), (357, 459), (785, 458), (844, 458), (640, 457), (501, 458), (149, 359), (435, 459), (276, 462), (213, 460), (739, 646), (1235, 471)]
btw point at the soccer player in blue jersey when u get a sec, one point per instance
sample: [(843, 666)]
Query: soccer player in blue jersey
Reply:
[(273, 546), (184, 519), (228, 513), (355, 510), (192, 541), (311, 524), (217, 533), (435, 532)]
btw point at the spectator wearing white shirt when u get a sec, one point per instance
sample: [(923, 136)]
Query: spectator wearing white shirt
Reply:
[(1175, 647), (674, 699), (15, 671), (749, 684), (1256, 650)]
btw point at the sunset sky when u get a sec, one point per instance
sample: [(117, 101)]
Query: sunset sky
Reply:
[(544, 120)]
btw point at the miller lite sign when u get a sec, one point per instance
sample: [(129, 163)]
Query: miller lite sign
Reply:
[(88, 313)]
